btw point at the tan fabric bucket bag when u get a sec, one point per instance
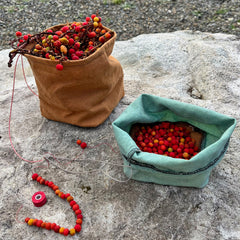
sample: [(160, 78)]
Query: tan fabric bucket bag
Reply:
[(85, 92)]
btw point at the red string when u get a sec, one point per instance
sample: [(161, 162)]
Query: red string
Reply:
[(10, 116), (26, 79)]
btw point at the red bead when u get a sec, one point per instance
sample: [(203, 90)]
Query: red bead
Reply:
[(39, 223), (72, 203), (42, 181), (75, 207), (39, 178), (79, 216), (78, 228), (59, 67), (83, 145), (27, 219), (66, 232), (50, 184), (62, 196), (35, 222), (79, 141), (54, 188), (56, 228), (46, 182), (18, 34), (53, 225), (48, 226), (78, 211), (43, 225), (34, 176), (67, 195), (79, 221)]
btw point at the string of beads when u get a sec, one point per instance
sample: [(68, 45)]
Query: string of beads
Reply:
[(53, 226)]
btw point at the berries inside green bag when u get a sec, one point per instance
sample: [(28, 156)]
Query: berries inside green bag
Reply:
[(147, 166)]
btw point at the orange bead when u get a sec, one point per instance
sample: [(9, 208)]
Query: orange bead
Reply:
[(60, 194), (72, 231), (30, 222), (42, 181), (70, 198), (43, 225), (55, 188), (61, 230), (79, 221), (57, 191)]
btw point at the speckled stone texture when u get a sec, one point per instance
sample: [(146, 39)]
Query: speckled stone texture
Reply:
[(199, 68)]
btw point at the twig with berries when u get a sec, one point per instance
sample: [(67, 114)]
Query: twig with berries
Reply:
[(72, 41)]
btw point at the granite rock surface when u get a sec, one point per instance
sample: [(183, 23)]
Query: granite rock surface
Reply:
[(200, 68)]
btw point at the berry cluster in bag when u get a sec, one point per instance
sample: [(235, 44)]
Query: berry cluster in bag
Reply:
[(71, 42), (166, 138)]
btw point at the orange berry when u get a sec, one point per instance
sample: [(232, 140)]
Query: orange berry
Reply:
[(69, 199), (72, 231)]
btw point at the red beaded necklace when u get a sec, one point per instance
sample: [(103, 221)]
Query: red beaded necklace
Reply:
[(53, 226)]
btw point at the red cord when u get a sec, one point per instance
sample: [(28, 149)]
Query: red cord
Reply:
[(10, 116)]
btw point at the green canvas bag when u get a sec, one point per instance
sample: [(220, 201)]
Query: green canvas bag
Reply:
[(150, 167)]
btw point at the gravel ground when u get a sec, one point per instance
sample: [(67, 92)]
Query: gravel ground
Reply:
[(127, 18)]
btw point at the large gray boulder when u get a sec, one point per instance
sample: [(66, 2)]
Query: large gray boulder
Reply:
[(198, 68)]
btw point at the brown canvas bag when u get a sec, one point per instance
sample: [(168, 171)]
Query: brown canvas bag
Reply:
[(85, 92)]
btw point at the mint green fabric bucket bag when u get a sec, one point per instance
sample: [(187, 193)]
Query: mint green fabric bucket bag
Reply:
[(155, 168)]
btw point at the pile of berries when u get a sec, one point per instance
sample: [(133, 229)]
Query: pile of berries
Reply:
[(166, 138), (71, 42)]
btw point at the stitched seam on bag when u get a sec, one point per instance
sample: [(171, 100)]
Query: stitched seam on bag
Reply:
[(132, 161)]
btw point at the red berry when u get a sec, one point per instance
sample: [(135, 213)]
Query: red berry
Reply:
[(34, 176), (79, 142), (92, 35), (93, 16), (101, 39), (79, 53), (75, 207), (88, 19), (58, 33), (74, 57), (78, 211), (25, 37), (39, 223), (78, 227), (27, 219), (77, 29), (56, 228), (108, 35), (83, 145), (49, 31), (50, 184), (59, 67), (55, 37), (65, 29), (77, 45), (65, 232), (72, 203), (71, 41), (53, 225), (18, 34), (71, 51), (67, 195)]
